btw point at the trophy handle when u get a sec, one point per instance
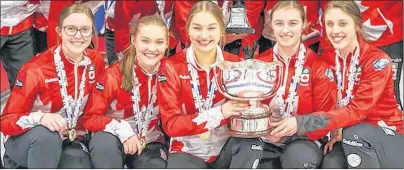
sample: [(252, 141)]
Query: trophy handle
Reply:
[(278, 81)]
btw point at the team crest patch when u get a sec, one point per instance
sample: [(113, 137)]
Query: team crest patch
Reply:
[(18, 83), (304, 80), (99, 86), (328, 73), (380, 63), (91, 73), (161, 78)]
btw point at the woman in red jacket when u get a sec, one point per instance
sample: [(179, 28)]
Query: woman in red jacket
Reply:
[(122, 109), (193, 112), (48, 96), (367, 110)]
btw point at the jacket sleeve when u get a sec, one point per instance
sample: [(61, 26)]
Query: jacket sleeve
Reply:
[(324, 92), (372, 84), (17, 117), (94, 118), (175, 121)]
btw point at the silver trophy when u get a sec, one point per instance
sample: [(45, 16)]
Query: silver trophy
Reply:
[(249, 80), (238, 22)]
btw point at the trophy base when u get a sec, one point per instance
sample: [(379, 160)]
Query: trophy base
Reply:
[(239, 30), (243, 127), (238, 134)]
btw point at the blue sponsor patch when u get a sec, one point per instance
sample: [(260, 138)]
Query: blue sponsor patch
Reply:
[(380, 63), (329, 74)]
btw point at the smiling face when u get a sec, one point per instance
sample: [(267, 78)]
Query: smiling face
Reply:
[(74, 42), (340, 29), (287, 25), (150, 43), (204, 32)]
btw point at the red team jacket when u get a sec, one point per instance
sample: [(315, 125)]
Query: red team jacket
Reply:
[(374, 100), (37, 90), (179, 115), (316, 90), (109, 104)]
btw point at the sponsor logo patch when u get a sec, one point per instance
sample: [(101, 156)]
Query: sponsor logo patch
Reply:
[(256, 147), (185, 77), (328, 73), (161, 78), (352, 142), (163, 154), (380, 64), (51, 80), (99, 86), (18, 83)]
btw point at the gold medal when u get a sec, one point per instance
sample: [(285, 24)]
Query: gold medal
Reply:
[(204, 135), (143, 141), (72, 135)]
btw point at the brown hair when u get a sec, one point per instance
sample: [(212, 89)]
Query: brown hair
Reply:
[(350, 8), (288, 5), (211, 8), (128, 60), (78, 8)]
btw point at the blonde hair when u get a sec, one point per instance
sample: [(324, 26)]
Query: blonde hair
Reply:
[(81, 9), (351, 9), (288, 5), (211, 8), (127, 62)]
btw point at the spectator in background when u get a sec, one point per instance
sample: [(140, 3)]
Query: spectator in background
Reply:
[(17, 38)]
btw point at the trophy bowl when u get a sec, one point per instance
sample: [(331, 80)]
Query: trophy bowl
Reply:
[(249, 80)]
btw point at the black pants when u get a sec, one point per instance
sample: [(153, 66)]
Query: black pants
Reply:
[(106, 151), (241, 153), (15, 50), (41, 43), (395, 51), (110, 46), (40, 148), (372, 147)]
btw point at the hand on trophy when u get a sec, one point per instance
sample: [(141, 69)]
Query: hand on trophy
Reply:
[(132, 145), (54, 122), (275, 111), (286, 127), (234, 108)]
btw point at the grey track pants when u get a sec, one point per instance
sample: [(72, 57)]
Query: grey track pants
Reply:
[(106, 151), (372, 147), (40, 148)]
